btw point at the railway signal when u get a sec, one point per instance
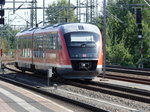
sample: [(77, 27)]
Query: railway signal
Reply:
[(2, 2), (2, 12), (139, 22), (1, 20), (139, 31), (138, 16), (2, 15)]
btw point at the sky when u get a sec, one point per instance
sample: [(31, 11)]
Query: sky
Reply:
[(22, 15)]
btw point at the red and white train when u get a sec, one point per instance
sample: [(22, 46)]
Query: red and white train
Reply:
[(71, 50)]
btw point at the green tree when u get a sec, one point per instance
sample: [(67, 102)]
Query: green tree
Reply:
[(146, 43), (120, 55), (122, 31), (5, 46), (7, 35), (58, 12)]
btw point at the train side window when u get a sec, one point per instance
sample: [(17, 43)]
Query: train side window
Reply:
[(51, 41), (40, 51), (59, 45), (46, 41), (24, 46), (35, 46), (19, 43), (30, 47), (54, 44), (22, 51), (26, 49)]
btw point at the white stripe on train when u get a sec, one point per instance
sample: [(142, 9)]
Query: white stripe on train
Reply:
[(53, 65)]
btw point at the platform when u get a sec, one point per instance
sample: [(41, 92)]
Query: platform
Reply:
[(16, 99), (124, 83)]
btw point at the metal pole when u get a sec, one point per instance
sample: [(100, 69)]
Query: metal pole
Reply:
[(141, 63), (104, 39), (31, 16), (0, 54), (77, 9), (91, 10), (43, 12), (68, 18), (13, 6), (87, 11), (8, 18), (96, 10), (1, 49), (36, 13), (48, 79)]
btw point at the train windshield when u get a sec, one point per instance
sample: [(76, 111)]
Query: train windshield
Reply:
[(82, 44), (79, 37), (83, 39)]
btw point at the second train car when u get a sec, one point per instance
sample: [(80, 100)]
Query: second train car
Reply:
[(71, 50)]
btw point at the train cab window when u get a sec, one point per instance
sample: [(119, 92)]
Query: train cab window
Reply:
[(79, 43), (82, 39)]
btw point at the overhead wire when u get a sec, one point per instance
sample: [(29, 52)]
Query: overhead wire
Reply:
[(115, 17), (147, 2)]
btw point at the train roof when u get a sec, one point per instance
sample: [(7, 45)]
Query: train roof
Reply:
[(80, 27), (74, 27), (26, 31), (65, 27)]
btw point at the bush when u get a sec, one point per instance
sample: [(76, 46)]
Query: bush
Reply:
[(118, 54)]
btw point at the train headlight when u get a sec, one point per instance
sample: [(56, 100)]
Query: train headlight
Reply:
[(97, 44), (85, 65)]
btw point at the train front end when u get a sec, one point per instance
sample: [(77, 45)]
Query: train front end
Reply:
[(84, 48)]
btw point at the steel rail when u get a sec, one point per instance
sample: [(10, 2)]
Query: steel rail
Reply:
[(130, 68), (116, 90), (128, 79), (111, 89), (137, 71), (46, 93)]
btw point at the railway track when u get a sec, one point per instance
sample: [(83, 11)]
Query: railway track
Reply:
[(44, 91), (135, 75), (134, 71), (127, 78), (110, 89)]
